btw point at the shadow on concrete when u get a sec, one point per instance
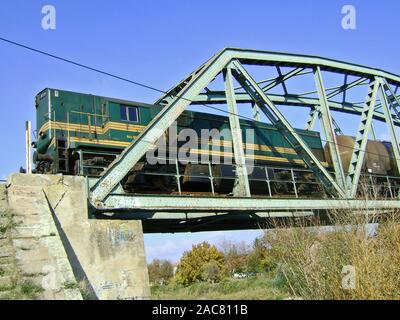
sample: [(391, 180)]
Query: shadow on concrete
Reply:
[(77, 268)]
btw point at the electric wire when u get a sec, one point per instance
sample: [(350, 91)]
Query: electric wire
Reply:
[(137, 83)]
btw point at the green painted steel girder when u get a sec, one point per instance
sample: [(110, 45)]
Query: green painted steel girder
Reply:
[(360, 143), (327, 128), (298, 60), (218, 97), (312, 118), (199, 204), (290, 134), (189, 91), (389, 122), (241, 185), (257, 57), (147, 139)]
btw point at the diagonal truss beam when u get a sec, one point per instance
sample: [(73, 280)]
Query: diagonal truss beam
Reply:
[(312, 118), (270, 80), (218, 97), (389, 121), (282, 78), (337, 129), (327, 128), (346, 87), (277, 119), (360, 143), (278, 69), (147, 139), (334, 91)]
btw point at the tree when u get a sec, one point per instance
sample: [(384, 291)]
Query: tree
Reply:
[(254, 262), (192, 266), (160, 271), (235, 255), (211, 272), (260, 260)]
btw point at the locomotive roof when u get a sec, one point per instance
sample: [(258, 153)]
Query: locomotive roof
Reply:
[(123, 101), (204, 115)]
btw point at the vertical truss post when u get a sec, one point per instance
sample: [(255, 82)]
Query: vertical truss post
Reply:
[(178, 176), (389, 187), (327, 128), (256, 111), (211, 178), (268, 181), (294, 182), (241, 187), (344, 86), (360, 143), (389, 122), (312, 118), (373, 186), (288, 132)]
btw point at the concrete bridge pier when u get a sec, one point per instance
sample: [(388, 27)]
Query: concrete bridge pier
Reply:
[(107, 255)]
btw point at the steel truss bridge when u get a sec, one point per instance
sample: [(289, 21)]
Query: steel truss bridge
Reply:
[(240, 89)]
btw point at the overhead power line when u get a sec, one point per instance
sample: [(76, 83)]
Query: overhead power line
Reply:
[(79, 64), (103, 72)]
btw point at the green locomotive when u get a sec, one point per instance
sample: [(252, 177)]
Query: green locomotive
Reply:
[(81, 134)]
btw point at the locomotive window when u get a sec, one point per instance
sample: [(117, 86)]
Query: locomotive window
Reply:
[(129, 113)]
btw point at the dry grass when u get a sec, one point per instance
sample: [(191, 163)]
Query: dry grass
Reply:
[(311, 260), (263, 287), (23, 290), (317, 262)]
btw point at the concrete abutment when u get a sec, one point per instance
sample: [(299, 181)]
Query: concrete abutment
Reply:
[(107, 255)]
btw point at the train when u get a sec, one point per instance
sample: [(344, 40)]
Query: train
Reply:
[(81, 134)]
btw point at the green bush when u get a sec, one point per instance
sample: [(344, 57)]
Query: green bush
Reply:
[(191, 266), (211, 272)]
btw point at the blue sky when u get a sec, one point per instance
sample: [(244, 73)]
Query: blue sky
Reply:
[(159, 43)]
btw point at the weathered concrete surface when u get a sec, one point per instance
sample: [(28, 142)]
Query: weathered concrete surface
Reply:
[(7, 255), (108, 254), (38, 251)]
